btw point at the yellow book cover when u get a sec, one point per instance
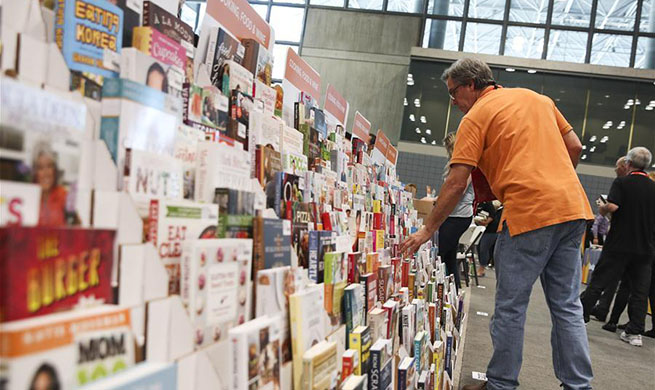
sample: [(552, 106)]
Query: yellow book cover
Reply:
[(307, 328), (379, 240), (356, 344)]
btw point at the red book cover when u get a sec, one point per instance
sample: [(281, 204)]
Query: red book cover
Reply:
[(327, 224), (405, 273), (377, 221), (397, 274), (432, 315), (347, 364), (47, 270)]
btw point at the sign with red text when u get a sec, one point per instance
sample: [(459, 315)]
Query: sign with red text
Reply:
[(336, 105), (361, 127), (392, 155), (301, 75), (382, 143), (239, 18)]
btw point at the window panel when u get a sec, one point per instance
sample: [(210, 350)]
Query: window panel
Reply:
[(644, 131), (616, 14), (328, 3), (446, 7), (570, 46), (526, 42), (188, 15), (487, 9), (570, 96), (647, 21), (260, 9), (411, 6), (290, 1), (610, 49), (280, 59), (571, 13), (528, 11), (287, 22), (482, 38), (442, 34), (645, 57), (365, 4)]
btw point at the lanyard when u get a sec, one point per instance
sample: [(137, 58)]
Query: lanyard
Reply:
[(639, 173)]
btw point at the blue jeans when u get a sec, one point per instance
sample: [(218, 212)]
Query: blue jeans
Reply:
[(551, 253)]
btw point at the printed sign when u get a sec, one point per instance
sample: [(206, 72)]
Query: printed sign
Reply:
[(301, 75), (361, 127), (392, 155), (238, 17), (336, 105), (382, 143)]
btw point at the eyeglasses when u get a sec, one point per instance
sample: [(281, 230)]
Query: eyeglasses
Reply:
[(451, 92)]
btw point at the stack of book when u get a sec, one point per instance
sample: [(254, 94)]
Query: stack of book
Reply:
[(168, 216)]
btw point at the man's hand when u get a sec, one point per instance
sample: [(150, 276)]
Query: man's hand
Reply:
[(413, 242)]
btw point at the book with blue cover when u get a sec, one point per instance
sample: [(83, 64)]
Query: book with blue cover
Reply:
[(84, 29)]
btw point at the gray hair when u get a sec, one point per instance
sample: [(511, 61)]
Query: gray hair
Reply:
[(639, 157), (465, 70)]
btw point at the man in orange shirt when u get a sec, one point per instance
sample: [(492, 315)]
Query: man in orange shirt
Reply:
[(528, 152)]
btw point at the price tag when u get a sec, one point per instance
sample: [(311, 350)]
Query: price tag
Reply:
[(483, 314), (480, 376), (482, 287)]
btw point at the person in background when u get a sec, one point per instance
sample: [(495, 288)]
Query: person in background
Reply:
[(599, 229), (528, 152), (488, 239), (53, 195), (630, 244), (457, 222), (411, 187), (601, 309)]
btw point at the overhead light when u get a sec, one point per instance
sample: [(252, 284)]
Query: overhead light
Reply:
[(651, 103), (532, 71), (584, 147), (410, 76), (405, 102), (607, 96), (417, 102), (626, 107), (649, 108), (637, 102), (622, 123), (423, 120), (592, 139), (423, 140), (418, 131), (434, 142), (630, 102), (604, 139), (428, 131), (412, 118), (510, 69), (584, 157), (410, 82), (593, 149)]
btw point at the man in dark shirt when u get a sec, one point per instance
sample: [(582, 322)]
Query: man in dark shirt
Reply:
[(630, 244)]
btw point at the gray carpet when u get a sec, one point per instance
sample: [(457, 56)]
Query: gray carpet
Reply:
[(616, 365)]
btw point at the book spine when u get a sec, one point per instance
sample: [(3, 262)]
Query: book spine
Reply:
[(349, 306), (307, 374), (346, 367), (356, 344), (236, 360), (448, 355), (402, 379), (313, 255), (374, 373), (211, 49), (147, 13), (417, 354), (153, 221)]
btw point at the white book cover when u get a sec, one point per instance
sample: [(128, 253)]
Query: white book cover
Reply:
[(307, 324), (216, 285), (150, 175), (256, 355), (144, 69), (294, 163), (66, 350), (171, 222), (240, 77), (19, 203), (291, 140), (267, 95), (220, 166), (266, 129), (186, 150)]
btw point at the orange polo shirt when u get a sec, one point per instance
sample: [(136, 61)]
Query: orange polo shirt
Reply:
[(514, 136)]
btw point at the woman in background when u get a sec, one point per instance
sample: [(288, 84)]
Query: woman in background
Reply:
[(458, 221)]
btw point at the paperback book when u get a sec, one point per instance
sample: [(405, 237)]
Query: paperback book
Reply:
[(307, 326), (256, 355), (144, 69), (222, 47), (272, 243), (235, 213), (205, 108)]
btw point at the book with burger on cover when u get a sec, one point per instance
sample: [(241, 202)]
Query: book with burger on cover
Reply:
[(235, 213), (66, 350), (216, 285), (170, 223), (47, 270)]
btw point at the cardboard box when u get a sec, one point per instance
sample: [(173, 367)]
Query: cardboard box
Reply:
[(424, 206)]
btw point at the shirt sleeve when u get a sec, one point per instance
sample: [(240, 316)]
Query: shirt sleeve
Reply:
[(562, 124), (615, 192), (469, 144)]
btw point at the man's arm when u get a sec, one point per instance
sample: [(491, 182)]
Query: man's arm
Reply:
[(450, 194), (608, 208), (573, 146)]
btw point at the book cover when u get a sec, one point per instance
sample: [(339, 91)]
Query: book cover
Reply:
[(307, 326), (220, 166), (391, 307), (320, 366), (241, 105), (186, 152), (381, 371), (144, 69), (282, 192), (407, 317), (170, 222), (273, 287), (143, 376), (222, 47), (84, 30), (267, 95), (131, 18), (349, 360), (385, 283), (20, 203), (294, 163), (302, 223), (377, 321), (216, 285), (448, 354), (44, 148), (265, 129), (238, 78), (255, 355), (258, 61), (269, 162), (420, 358), (291, 140), (353, 306), (47, 270), (205, 108), (275, 248), (235, 213), (135, 116), (169, 25), (370, 284), (356, 267), (72, 349), (360, 341), (406, 374), (326, 243)]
